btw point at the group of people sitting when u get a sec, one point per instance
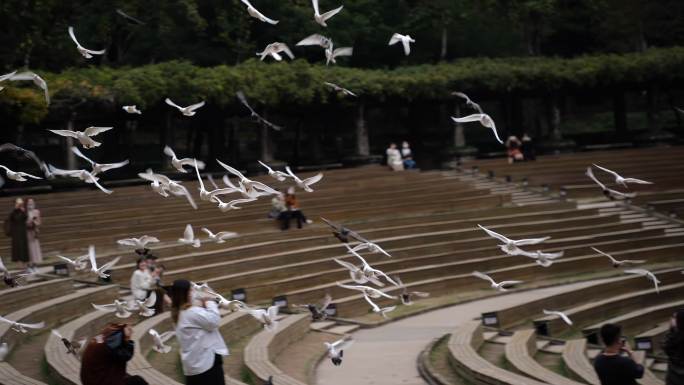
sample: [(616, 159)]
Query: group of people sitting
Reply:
[(23, 226), (520, 150), (285, 208), (399, 160)]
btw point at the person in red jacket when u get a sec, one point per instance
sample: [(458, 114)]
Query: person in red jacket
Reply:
[(105, 356)]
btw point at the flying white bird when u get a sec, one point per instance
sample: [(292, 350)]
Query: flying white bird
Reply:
[(377, 309), (609, 193), (620, 180), (162, 185), (138, 243), (119, 308), (79, 263), (83, 175), (19, 176), (100, 271), (73, 347), (205, 292), (187, 111), (189, 238), (617, 263), (501, 286), (646, 274), (274, 50), (250, 188), (98, 168), (336, 350), (132, 110), (304, 184), (266, 316), (469, 102), (331, 55), (321, 19), (559, 314), (373, 275), (232, 205), (355, 272), (2, 79), (542, 259), (22, 327), (178, 164), (4, 351), (206, 195), (219, 237), (405, 40), (129, 18), (317, 39), (84, 137), (241, 96), (258, 15), (145, 308), (340, 90), (366, 290), (318, 311), (87, 53), (12, 280), (511, 246), (484, 120), (406, 296), (37, 80), (160, 339), (277, 175)]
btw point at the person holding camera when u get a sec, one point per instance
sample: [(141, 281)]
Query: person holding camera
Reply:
[(105, 356), (673, 346), (616, 365)]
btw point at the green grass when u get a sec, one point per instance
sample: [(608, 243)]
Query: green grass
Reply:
[(246, 376)]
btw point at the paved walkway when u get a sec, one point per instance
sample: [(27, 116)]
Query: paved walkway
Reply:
[(387, 355)]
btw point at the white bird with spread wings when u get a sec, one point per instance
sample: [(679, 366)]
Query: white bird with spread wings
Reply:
[(97, 168), (559, 314), (87, 53), (322, 18), (483, 119), (304, 184), (258, 15), (621, 180), (510, 246), (189, 238), (18, 176), (500, 286), (190, 110), (160, 340), (617, 263), (405, 40), (84, 137)]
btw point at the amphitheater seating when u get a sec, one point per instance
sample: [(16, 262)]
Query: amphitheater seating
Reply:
[(520, 351), (651, 340), (263, 348), (649, 378), (17, 298), (575, 359)]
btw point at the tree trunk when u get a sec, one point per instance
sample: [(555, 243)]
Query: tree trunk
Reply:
[(445, 43), (652, 109), (619, 112), (555, 119), (459, 136), (266, 144), (70, 156), (362, 141)]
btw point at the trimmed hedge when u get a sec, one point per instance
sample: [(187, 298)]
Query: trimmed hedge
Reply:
[(300, 83)]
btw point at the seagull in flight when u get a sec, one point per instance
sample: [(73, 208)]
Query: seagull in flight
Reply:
[(304, 184), (232, 205), (219, 237), (405, 40), (266, 316), (406, 296), (22, 327), (617, 263), (132, 109), (542, 259), (178, 164), (318, 310), (277, 175), (340, 90), (367, 291), (371, 274), (258, 15), (72, 347), (18, 176), (37, 80), (10, 279), (241, 96), (79, 263), (510, 246), (331, 55), (469, 102), (119, 308), (484, 120), (187, 111), (189, 238), (620, 180), (160, 339), (646, 274), (274, 50), (87, 53), (84, 137), (209, 196), (501, 286), (317, 39), (6, 77), (343, 233), (321, 19), (559, 314), (336, 350), (609, 193), (100, 271), (83, 175), (138, 243), (250, 188), (98, 168), (128, 17), (377, 309), (144, 307)]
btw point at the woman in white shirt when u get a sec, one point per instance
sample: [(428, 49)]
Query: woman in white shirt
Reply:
[(142, 281), (394, 158), (201, 345)]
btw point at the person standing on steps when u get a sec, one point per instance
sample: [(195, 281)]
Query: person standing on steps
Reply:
[(15, 228), (33, 223), (616, 365)]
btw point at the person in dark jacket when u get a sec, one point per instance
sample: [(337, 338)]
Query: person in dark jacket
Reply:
[(615, 365), (105, 356), (15, 228), (674, 348)]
